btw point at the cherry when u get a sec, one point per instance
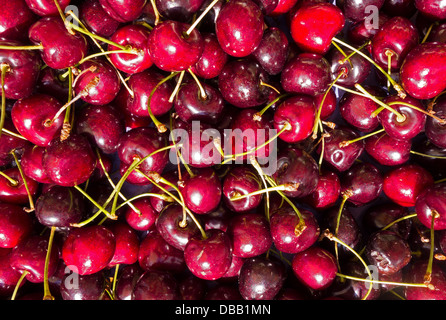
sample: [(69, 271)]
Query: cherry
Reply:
[(179, 10), (388, 151), (89, 249), (60, 207), (420, 69), (416, 274), (47, 7), (127, 244), (432, 9), (307, 74), (35, 118), (209, 258), (234, 270), (354, 70), (123, 10), (159, 203), (403, 8), (145, 218), (327, 191), (15, 20), (382, 215), (87, 287), (17, 192), (135, 36), (127, 280), (283, 6), (192, 288), (10, 142), (156, 285), (69, 162), (329, 104), (437, 33), (61, 49), (239, 27), (315, 267), (360, 31), (156, 254), (223, 292), (241, 181), (50, 82), (434, 129), (249, 234), (212, 60), (173, 48), (103, 125), (403, 184), (429, 206), (16, 225), (261, 278), (8, 275), (241, 83), (202, 191), (96, 19), (313, 26)]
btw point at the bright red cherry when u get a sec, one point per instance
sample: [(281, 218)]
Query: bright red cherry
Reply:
[(430, 205), (15, 19), (123, 10), (16, 224)]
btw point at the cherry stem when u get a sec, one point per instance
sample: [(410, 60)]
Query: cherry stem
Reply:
[(428, 275), (283, 187), (47, 293), (147, 194), (354, 52), (269, 86), (258, 115), (177, 87), (4, 69), (155, 11), (381, 281), (97, 205), (203, 94), (430, 114), (428, 32), (34, 47), (346, 57), (19, 282), (104, 53), (389, 54), (347, 194), (409, 216), (13, 134), (115, 280), (11, 180), (262, 176), (25, 183), (178, 152), (202, 15), (94, 36), (349, 142)]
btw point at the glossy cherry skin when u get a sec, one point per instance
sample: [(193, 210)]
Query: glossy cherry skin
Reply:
[(249, 234), (328, 104), (156, 254), (201, 192), (135, 36), (32, 116), (313, 27), (359, 32), (46, 7), (127, 280), (365, 182), (429, 203), (89, 287), (327, 191), (9, 143), (30, 254), (32, 166), (382, 215), (89, 249), (180, 10), (272, 51), (283, 6), (16, 193), (240, 83), (212, 59), (191, 106), (123, 10), (142, 84), (143, 220), (435, 131), (239, 27), (241, 180), (15, 20), (103, 126), (421, 69), (283, 223), (24, 69), (96, 19), (299, 111), (354, 70), (261, 278), (416, 274), (403, 184), (16, 225), (388, 151), (61, 49), (307, 74), (156, 285), (9, 277), (69, 162), (397, 36), (171, 49), (126, 244), (315, 267), (356, 10), (60, 207), (297, 167), (432, 9), (209, 258)]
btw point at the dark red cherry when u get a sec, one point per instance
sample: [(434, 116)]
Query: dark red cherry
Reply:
[(102, 124), (239, 27), (89, 249), (16, 225), (218, 219), (51, 82), (156, 254), (272, 52), (123, 10), (437, 33), (315, 267), (249, 234), (127, 280), (307, 73), (387, 150), (201, 192), (421, 69), (240, 83), (403, 184), (432, 9), (403, 8), (172, 48), (158, 204), (9, 276), (32, 165), (9, 143), (240, 181), (156, 285), (15, 19), (61, 49), (209, 258), (69, 162), (430, 205), (212, 59), (435, 163), (135, 36), (30, 255), (364, 181), (60, 207), (180, 10), (329, 104), (313, 26), (363, 30), (127, 244), (145, 218), (192, 288), (356, 10), (86, 287), (96, 19), (434, 129), (298, 111), (34, 118), (327, 191), (46, 7), (17, 193), (354, 70), (234, 270), (261, 278), (23, 70), (397, 37), (416, 274), (283, 223)]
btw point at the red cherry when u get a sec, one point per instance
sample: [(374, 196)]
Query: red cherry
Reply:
[(16, 193), (16, 225), (46, 7), (430, 205), (126, 244), (123, 10)]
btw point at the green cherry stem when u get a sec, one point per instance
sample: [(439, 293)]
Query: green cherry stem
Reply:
[(258, 115), (283, 187), (46, 288), (25, 183), (97, 205), (202, 15), (12, 181), (19, 283), (349, 142), (4, 69)]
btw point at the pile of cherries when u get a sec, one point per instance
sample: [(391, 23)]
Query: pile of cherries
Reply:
[(101, 200)]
